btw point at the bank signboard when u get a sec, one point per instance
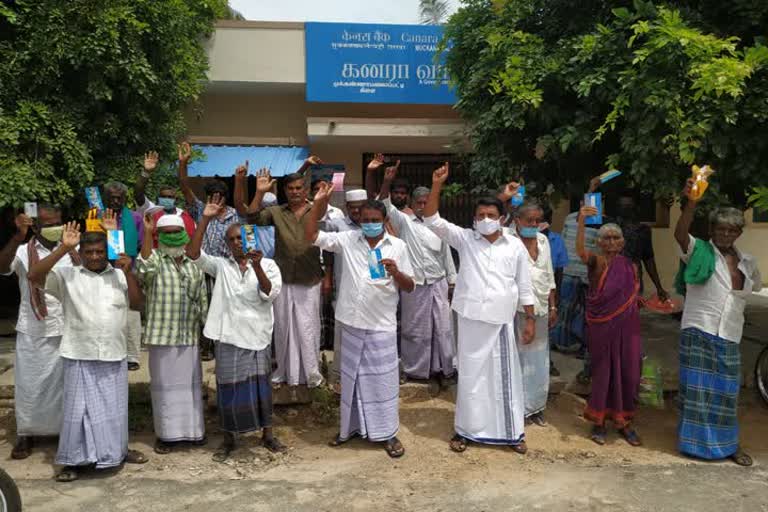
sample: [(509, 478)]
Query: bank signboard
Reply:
[(364, 63)]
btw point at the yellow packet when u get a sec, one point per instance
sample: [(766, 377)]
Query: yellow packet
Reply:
[(700, 177), (92, 222)]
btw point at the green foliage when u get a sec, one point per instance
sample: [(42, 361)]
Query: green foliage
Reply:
[(561, 91), (86, 87)]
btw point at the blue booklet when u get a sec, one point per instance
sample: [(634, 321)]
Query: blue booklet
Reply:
[(250, 238), (374, 264), (93, 196), (609, 175), (115, 244), (595, 200), (518, 198)]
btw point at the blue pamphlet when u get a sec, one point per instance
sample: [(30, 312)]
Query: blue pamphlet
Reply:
[(250, 238), (595, 200), (518, 198), (375, 265), (115, 244), (609, 175), (93, 196)]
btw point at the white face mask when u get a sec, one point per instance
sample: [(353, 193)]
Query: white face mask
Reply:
[(487, 226), (173, 252)]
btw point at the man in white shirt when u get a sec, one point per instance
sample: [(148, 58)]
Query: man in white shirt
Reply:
[(712, 324), (38, 367), (426, 345), (494, 279), (240, 321), (95, 299), (367, 308)]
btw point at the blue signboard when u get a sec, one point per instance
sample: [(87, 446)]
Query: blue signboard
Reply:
[(361, 63)]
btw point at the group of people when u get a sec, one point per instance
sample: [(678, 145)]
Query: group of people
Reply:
[(389, 257)]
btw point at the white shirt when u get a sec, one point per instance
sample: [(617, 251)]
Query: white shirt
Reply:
[(364, 302), (240, 313), (333, 213), (493, 278), (715, 307), (430, 256), (95, 312), (27, 323), (542, 273), (339, 226)]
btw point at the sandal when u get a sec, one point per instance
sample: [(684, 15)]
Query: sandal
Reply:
[(338, 441), (741, 458), (598, 435), (520, 448), (394, 448), (67, 474), (273, 445), (631, 436), (133, 366), (135, 457), (222, 454), (22, 449), (458, 443), (163, 448), (538, 419)]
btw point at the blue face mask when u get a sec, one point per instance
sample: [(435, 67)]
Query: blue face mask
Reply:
[(528, 231), (372, 229), (168, 203)]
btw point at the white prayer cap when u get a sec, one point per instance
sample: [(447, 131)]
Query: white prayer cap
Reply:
[(269, 199), (170, 221), (356, 195)]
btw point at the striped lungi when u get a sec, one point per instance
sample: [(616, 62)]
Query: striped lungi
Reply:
[(95, 425), (370, 384), (243, 390), (709, 394), (38, 385), (534, 363), (297, 335), (569, 333), (177, 392)]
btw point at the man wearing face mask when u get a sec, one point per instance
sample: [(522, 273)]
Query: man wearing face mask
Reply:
[(40, 324), (494, 280), (166, 197), (534, 356), (176, 303), (426, 328), (367, 309)]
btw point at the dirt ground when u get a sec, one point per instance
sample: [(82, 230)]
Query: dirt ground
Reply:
[(563, 468)]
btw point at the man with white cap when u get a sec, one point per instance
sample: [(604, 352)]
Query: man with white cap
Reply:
[(176, 304), (351, 222)]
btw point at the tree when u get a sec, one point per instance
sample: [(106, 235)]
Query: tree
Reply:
[(433, 12), (88, 86), (559, 91)]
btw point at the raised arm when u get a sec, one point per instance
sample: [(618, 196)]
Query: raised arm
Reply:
[(510, 190), (150, 164), (581, 248), (439, 178), (389, 175), (370, 174), (69, 241), (686, 218), (309, 162), (149, 231), (185, 153), (135, 293), (211, 210), (317, 212), (23, 223), (264, 183), (241, 189)]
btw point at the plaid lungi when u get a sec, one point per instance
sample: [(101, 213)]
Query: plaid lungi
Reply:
[(709, 394), (243, 390)]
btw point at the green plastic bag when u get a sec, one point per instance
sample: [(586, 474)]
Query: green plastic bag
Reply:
[(651, 384)]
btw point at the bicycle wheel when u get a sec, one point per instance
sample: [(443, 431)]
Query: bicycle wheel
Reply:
[(10, 500), (761, 374)]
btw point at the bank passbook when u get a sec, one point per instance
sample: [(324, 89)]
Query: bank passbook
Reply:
[(93, 196), (250, 238), (596, 200), (375, 266), (30, 210), (115, 244), (519, 197)]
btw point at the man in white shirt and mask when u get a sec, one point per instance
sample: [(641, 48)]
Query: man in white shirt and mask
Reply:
[(494, 279)]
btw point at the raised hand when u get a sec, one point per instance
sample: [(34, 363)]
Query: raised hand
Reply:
[(688, 189), (390, 173), (23, 223), (588, 211), (214, 207), (185, 152), (255, 257), (511, 189), (378, 161), (390, 266), (109, 220), (324, 192), (149, 224), (150, 161), (70, 238), (313, 160), (441, 174), (242, 170), (594, 184), (264, 181), (124, 262)]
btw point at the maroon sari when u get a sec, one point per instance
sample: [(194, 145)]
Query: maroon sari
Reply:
[(613, 325)]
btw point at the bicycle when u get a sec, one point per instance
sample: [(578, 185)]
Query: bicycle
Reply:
[(761, 374)]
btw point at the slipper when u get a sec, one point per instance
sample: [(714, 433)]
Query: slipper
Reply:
[(631, 436), (162, 448), (394, 448), (67, 474), (520, 448), (135, 457), (222, 454), (23, 448), (338, 441), (598, 435), (538, 419), (741, 458), (458, 443), (273, 445), (133, 366)]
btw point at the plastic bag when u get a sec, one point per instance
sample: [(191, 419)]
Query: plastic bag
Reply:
[(700, 177), (651, 384)]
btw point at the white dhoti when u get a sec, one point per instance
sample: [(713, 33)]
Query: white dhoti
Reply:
[(489, 397), (38, 386), (297, 335), (177, 392), (133, 335), (534, 363), (426, 338)]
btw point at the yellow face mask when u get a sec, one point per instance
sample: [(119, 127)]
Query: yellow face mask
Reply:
[(52, 233)]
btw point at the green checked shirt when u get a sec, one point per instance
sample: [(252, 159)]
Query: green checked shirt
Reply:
[(176, 300)]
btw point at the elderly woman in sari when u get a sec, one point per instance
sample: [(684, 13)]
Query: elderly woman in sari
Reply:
[(613, 325)]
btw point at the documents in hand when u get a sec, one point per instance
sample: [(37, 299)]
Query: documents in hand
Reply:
[(250, 238), (115, 244), (596, 200), (93, 196), (609, 175), (375, 265), (518, 198), (30, 210)]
